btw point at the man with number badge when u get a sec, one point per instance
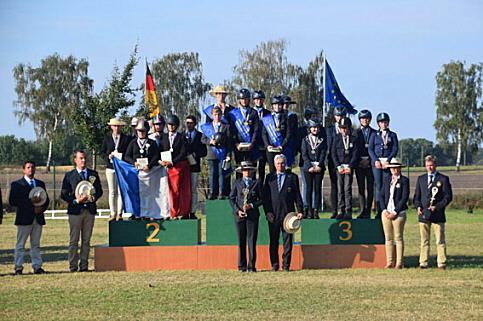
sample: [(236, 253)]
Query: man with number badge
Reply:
[(433, 193), (29, 196)]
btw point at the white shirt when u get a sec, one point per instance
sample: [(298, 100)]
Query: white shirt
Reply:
[(28, 180)]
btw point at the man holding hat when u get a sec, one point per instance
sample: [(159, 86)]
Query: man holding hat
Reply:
[(433, 193), (220, 93), (345, 157), (281, 196), (364, 176), (394, 195), (29, 196), (114, 145), (244, 124), (245, 198), (277, 133), (81, 209), (258, 100), (383, 146), (339, 114)]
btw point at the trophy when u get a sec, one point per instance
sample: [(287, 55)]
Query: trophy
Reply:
[(245, 193), (426, 212)]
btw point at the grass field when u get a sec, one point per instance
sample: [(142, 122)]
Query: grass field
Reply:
[(409, 294)]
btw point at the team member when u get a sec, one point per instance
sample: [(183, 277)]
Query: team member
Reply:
[(293, 124), (216, 135), (114, 145), (433, 193), (179, 177), (345, 156), (383, 146), (142, 148), (29, 217), (332, 131), (195, 149), (258, 100), (364, 176), (81, 210), (394, 195), (314, 149), (302, 132), (244, 126), (281, 195), (245, 198), (277, 133), (220, 93), (157, 135)]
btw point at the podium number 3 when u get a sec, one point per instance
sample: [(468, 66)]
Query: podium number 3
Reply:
[(152, 237), (346, 230)]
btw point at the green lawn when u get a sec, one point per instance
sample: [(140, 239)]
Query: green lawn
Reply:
[(409, 294)]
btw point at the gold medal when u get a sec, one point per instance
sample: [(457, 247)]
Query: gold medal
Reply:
[(245, 123)]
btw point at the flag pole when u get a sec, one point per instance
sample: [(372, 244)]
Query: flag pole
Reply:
[(323, 122)]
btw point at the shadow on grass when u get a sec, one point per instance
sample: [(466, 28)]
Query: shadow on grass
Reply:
[(454, 261), (49, 254)]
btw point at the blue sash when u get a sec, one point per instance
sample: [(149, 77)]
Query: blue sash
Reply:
[(275, 136), (243, 130), (209, 131), (207, 110)]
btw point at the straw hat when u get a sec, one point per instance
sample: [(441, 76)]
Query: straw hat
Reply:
[(291, 223), (395, 163), (245, 165), (220, 89), (116, 122)]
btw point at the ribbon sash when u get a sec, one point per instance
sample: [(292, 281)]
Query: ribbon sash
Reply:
[(239, 120), (209, 131), (275, 136)]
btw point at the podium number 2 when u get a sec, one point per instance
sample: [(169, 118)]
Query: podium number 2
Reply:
[(152, 238), (346, 230)]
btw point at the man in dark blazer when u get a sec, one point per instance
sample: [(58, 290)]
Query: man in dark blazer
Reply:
[(29, 218), (244, 118), (245, 198), (114, 145), (433, 193), (196, 150), (81, 210), (364, 175), (281, 195)]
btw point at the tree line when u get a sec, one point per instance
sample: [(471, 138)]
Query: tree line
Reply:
[(58, 97)]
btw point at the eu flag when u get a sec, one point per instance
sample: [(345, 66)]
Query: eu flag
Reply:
[(333, 94)]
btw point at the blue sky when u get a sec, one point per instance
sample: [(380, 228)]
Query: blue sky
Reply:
[(385, 54)]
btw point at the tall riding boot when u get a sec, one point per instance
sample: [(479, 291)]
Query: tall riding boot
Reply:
[(316, 214)]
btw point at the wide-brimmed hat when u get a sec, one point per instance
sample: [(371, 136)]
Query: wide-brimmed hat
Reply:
[(220, 89), (116, 122), (395, 163), (291, 223), (40, 193), (245, 165)]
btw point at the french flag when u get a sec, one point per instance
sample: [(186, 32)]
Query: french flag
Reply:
[(144, 194)]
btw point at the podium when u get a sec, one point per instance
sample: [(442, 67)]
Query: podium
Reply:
[(177, 244)]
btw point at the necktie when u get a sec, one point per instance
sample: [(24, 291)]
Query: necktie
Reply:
[(84, 175), (279, 176), (431, 177), (32, 184)]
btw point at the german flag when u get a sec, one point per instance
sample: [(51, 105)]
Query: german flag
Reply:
[(150, 95)]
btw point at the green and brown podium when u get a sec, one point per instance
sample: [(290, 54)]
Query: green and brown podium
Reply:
[(174, 245)]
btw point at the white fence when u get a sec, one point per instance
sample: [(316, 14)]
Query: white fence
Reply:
[(62, 214)]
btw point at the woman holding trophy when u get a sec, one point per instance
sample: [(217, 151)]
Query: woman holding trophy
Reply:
[(245, 198)]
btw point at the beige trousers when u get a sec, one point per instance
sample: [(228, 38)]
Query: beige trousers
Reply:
[(34, 231), (394, 236), (115, 200), (80, 227), (424, 231)]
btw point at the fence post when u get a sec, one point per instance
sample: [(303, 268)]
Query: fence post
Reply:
[(53, 200)]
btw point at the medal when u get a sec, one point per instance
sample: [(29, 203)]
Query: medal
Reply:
[(366, 145), (385, 147), (346, 152), (312, 151), (245, 123), (277, 129), (171, 150), (141, 150)]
